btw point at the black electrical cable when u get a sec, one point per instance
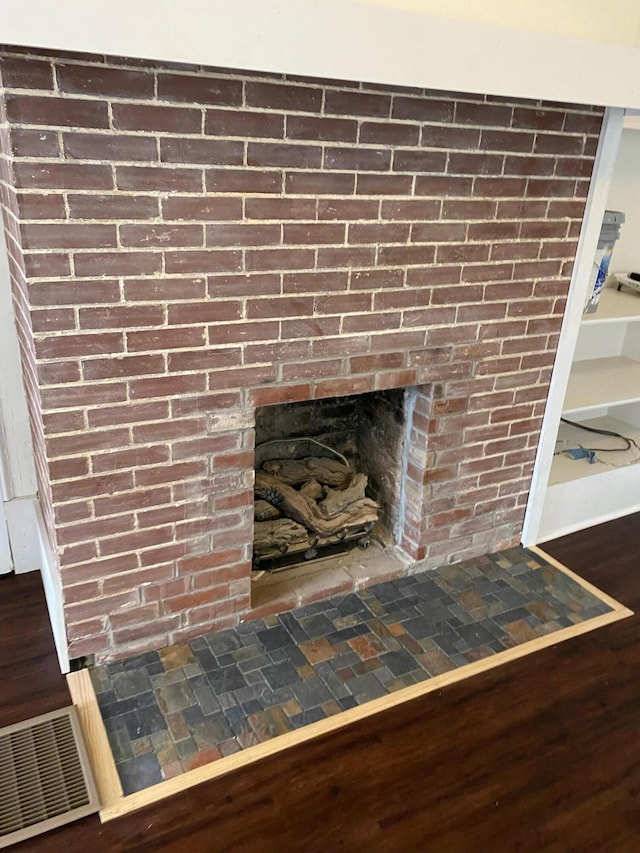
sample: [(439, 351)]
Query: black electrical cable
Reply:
[(629, 441)]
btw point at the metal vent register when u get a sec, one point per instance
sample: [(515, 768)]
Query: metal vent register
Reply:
[(45, 776)]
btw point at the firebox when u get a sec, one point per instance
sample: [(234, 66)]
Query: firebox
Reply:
[(330, 476)]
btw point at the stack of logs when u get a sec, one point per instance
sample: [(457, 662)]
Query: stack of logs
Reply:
[(305, 504)]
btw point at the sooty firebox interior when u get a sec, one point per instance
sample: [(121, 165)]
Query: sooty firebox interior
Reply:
[(329, 475)]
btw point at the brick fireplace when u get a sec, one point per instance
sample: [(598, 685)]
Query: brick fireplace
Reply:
[(188, 245)]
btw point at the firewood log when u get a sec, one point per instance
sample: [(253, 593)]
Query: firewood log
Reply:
[(264, 511), (305, 511), (294, 472), (312, 490), (278, 534), (337, 500)]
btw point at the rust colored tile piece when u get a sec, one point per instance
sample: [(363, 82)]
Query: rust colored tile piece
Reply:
[(470, 599), (366, 646), (142, 746), (346, 674), (316, 651), (435, 661), (410, 644), (381, 630), (541, 610), (306, 672), (204, 757), (520, 631), (247, 739), (400, 683), (177, 726), (291, 707), (174, 657), (171, 770), (270, 723), (368, 665), (166, 753), (478, 654)]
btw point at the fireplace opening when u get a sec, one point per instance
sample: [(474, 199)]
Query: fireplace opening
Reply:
[(330, 476)]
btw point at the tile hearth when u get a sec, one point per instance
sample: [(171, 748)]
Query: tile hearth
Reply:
[(171, 711)]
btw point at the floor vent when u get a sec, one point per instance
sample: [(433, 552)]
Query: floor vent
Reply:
[(45, 776)]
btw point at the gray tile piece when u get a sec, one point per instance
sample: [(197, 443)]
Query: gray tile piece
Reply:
[(246, 694), (131, 683), (293, 627), (206, 699), (206, 659), (288, 653), (272, 698), (280, 675), (186, 749), (311, 693), (119, 740), (237, 719), (419, 627), (448, 642), (139, 773), (211, 730), (317, 626), (175, 697), (223, 642), (475, 635), (274, 638), (399, 663), (223, 680), (433, 611), (307, 717), (366, 687), (252, 663), (144, 721)]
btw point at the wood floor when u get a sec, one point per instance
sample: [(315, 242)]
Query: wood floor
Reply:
[(539, 755), (30, 680)]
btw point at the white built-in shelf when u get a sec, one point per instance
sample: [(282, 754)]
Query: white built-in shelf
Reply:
[(604, 382), (599, 382), (580, 494), (615, 306), (566, 470)]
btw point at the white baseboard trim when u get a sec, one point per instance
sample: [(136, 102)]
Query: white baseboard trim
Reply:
[(22, 525), (52, 590)]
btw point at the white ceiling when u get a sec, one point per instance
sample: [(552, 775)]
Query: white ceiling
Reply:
[(566, 50)]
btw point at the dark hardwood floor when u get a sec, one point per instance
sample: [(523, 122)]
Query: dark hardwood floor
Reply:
[(30, 679), (539, 755)]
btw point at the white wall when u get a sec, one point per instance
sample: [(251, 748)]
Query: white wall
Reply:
[(603, 21), (624, 195), (363, 40)]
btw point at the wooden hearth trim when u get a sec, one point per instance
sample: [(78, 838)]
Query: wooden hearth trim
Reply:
[(95, 736)]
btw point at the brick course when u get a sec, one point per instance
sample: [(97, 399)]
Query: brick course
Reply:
[(184, 247)]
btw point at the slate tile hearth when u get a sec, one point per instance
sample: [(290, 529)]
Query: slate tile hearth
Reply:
[(171, 711)]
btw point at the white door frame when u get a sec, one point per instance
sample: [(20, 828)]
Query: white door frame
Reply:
[(6, 557), (594, 211)]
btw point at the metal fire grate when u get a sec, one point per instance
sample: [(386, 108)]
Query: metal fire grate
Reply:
[(45, 776)]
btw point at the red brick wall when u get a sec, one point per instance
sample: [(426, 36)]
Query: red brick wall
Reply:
[(192, 243)]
